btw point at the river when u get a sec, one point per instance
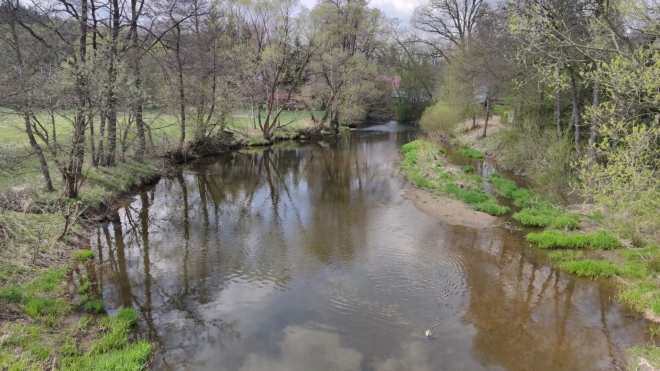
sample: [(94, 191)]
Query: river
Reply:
[(306, 256)]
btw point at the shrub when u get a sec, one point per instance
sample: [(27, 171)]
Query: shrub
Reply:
[(590, 268), (440, 118), (561, 240), (468, 168), (545, 159)]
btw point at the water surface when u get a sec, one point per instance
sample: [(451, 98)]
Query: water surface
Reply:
[(307, 257)]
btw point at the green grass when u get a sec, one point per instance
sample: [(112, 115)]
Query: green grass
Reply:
[(536, 211), (38, 306), (547, 217), (128, 315), (491, 208), (470, 153), (648, 351), (94, 306), (590, 268), (83, 255), (562, 256), (561, 240), (426, 169), (468, 168)]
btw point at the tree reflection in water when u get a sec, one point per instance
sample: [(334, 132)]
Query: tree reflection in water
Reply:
[(303, 255)]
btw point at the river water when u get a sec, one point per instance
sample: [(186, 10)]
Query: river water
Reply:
[(306, 256)]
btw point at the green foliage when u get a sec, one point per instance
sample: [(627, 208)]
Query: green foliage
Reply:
[(545, 159), (468, 168), (132, 357), (423, 167), (37, 306), (561, 240), (470, 152), (547, 217), (567, 255), (96, 306), (491, 208), (128, 315), (83, 255), (648, 351), (590, 268), (639, 294), (11, 294), (440, 117)]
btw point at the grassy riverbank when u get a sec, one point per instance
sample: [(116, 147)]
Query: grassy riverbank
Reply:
[(51, 314), (586, 241)]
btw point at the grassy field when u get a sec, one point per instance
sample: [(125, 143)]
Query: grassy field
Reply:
[(164, 125)]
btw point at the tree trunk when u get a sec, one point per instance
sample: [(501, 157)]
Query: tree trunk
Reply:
[(40, 153), (77, 154), (92, 138), (558, 112), (593, 131), (28, 126), (182, 96), (487, 113), (111, 155), (138, 106), (575, 115)]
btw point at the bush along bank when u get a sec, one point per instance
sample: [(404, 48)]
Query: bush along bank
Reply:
[(594, 254)]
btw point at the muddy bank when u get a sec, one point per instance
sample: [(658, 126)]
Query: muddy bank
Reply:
[(448, 210)]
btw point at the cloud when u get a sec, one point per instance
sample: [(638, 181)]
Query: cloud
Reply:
[(305, 349), (402, 9)]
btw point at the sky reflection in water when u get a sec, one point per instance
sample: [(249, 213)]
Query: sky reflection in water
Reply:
[(306, 257)]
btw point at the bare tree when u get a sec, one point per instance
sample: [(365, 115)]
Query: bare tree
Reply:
[(447, 24)]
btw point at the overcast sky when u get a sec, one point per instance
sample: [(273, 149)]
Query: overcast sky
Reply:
[(401, 9)]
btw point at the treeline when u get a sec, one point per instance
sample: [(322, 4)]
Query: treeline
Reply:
[(576, 83), (101, 64)]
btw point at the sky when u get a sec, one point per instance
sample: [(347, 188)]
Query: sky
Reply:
[(401, 9)]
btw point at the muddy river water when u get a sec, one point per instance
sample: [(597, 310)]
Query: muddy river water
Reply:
[(306, 256)]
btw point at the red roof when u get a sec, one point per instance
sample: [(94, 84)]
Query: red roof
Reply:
[(395, 80)]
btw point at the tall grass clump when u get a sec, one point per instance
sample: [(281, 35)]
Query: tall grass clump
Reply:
[(590, 268), (547, 217), (536, 210), (599, 240), (83, 255), (470, 152)]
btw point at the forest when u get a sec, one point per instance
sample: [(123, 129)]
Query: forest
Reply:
[(100, 97)]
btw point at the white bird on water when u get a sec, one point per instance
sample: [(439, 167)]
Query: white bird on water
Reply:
[(428, 333)]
